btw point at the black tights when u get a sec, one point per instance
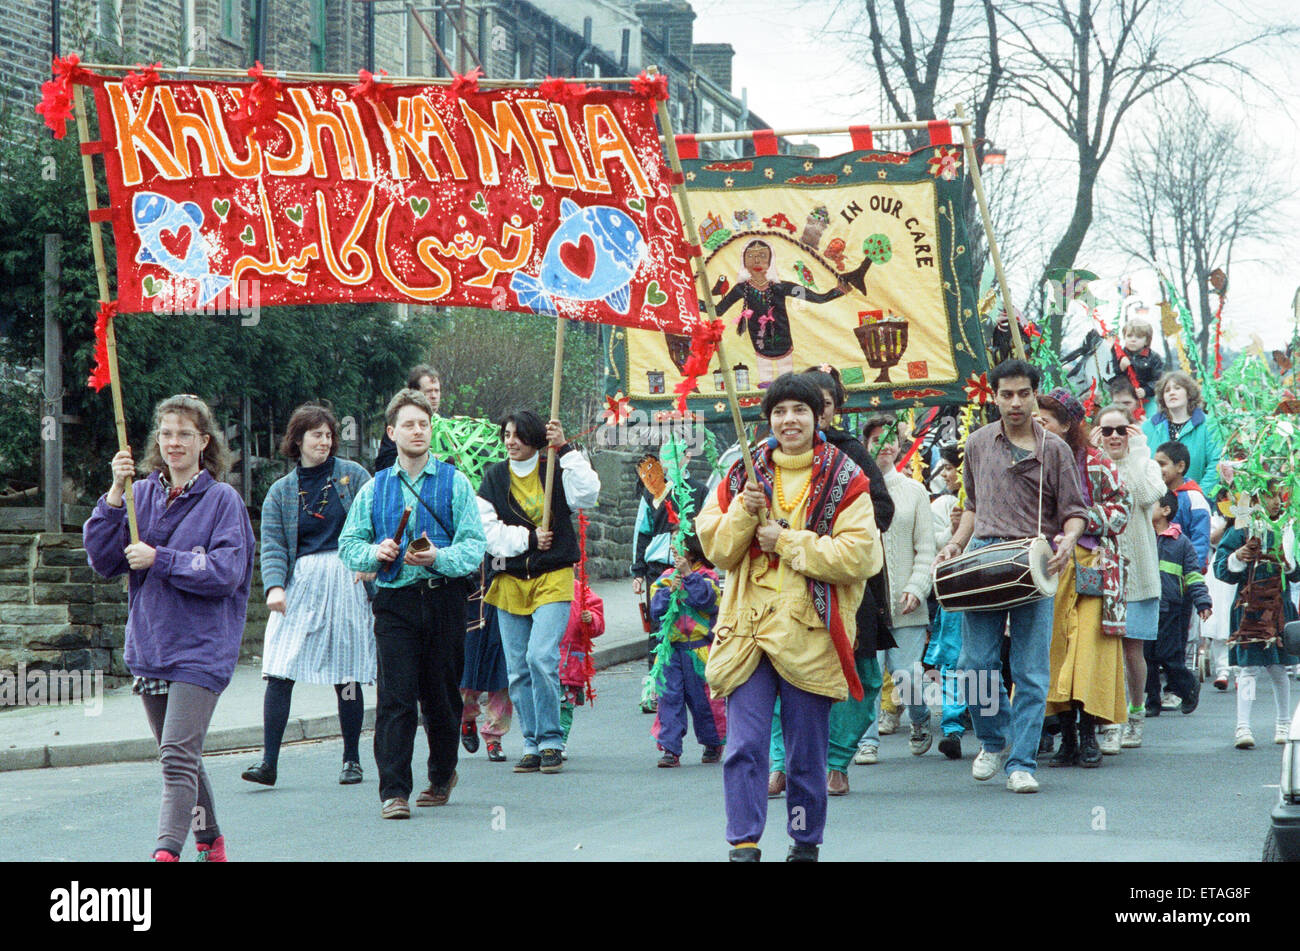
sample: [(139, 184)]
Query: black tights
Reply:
[(275, 717)]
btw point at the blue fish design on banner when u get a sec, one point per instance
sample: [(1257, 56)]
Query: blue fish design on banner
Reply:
[(154, 214), (591, 256)]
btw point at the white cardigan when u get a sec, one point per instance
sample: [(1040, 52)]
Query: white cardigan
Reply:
[(909, 546), (1140, 474)]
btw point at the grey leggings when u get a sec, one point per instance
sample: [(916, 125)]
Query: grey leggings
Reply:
[(179, 720)]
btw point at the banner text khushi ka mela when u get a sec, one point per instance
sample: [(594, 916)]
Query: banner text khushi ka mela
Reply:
[(553, 200)]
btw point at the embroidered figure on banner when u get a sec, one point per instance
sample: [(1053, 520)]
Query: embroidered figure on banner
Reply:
[(763, 312), (592, 255)]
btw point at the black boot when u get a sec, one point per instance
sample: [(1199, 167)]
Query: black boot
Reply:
[(1068, 754), (1089, 751), (744, 855), (802, 852), (260, 773)]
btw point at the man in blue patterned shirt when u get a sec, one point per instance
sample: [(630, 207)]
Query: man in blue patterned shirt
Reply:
[(421, 562)]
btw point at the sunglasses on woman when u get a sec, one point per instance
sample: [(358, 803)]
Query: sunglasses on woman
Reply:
[(1114, 430)]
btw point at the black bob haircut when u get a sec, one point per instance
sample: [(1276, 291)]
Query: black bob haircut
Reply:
[(695, 550), (1169, 501), (1177, 454), (793, 386), (529, 427), (1013, 367), (829, 382)]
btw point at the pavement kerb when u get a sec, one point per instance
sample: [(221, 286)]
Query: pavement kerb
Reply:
[(226, 740)]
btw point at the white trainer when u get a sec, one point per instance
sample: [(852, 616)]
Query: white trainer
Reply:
[(1022, 782), (1245, 739), (1282, 732), (987, 764), (1110, 739), (888, 722), (1132, 736)]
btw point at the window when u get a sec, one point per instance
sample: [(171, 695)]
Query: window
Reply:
[(731, 148), (231, 20), (707, 112), (108, 20), (523, 60), (191, 39), (316, 26)]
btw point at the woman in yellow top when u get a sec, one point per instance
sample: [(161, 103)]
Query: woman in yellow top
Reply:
[(535, 584), (797, 548)]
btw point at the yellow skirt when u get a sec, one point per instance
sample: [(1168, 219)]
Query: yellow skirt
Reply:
[(1086, 665)]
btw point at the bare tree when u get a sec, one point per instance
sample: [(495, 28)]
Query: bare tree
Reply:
[(926, 56), (1194, 190), (1085, 65)]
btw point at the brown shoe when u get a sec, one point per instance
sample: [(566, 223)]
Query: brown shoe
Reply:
[(437, 795), (396, 808), (837, 783), (775, 785)]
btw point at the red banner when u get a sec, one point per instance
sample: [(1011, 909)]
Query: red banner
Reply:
[(505, 199)]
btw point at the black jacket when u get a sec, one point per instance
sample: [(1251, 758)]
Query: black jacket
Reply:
[(874, 625), (661, 525), (563, 552)]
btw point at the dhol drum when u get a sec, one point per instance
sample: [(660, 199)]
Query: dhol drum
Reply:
[(996, 577)]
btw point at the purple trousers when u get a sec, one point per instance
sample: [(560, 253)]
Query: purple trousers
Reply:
[(805, 720)]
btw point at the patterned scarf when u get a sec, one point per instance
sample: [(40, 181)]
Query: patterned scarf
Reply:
[(836, 481)]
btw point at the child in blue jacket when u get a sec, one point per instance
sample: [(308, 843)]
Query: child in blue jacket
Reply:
[(1182, 589)]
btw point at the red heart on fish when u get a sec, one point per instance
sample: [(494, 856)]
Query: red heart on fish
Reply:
[(176, 243), (579, 258)]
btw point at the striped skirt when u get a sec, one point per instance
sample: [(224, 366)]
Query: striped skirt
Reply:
[(327, 632)]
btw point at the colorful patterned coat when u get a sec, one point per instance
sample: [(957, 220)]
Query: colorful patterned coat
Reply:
[(1109, 508)]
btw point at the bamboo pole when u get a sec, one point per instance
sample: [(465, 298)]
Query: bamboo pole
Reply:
[(101, 273), (702, 276), (1007, 307), (213, 72), (556, 379)]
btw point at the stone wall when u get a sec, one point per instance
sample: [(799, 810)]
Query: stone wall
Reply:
[(57, 614), (609, 533)]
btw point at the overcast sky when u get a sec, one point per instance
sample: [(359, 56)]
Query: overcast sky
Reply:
[(796, 76)]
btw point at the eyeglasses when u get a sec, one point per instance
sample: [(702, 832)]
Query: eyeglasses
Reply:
[(185, 437), (1114, 430)]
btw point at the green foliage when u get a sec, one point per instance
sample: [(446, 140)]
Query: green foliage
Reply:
[(495, 361), (20, 434)]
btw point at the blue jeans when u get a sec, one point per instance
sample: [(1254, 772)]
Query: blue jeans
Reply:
[(532, 646), (904, 657), (1018, 725)]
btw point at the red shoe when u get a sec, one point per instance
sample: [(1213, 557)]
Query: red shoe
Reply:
[(162, 855), (216, 852)]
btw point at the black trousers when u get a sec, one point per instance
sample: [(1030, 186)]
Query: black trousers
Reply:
[(420, 647), (1168, 653)]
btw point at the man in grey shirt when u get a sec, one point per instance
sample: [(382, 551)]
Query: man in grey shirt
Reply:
[(1006, 463)]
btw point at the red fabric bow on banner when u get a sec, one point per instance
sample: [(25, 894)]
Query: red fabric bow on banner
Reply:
[(557, 90), (56, 94), (460, 85), (262, 102), (704, 343), (368, 87), (652, 87), (141, 76), (99, 375)]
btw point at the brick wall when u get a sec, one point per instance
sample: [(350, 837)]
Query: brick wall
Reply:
[(714, 61)]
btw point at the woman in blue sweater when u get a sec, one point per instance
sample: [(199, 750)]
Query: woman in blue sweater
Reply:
[(321, 630), (1183, 419)]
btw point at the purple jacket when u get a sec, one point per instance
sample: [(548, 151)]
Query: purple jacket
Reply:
[(186, 613)]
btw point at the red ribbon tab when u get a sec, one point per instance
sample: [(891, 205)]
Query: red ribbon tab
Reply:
[(862, 138), (764, 142), (687, 147), (940, 132), (94, 148), (99, 215)]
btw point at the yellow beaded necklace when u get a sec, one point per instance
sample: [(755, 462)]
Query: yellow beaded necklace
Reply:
[(780, 493)]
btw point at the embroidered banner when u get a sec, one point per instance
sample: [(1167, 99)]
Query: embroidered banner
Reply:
[(502, 199), (858, 261)]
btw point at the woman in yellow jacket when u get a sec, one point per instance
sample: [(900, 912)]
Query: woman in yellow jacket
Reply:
[(797, 547)]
